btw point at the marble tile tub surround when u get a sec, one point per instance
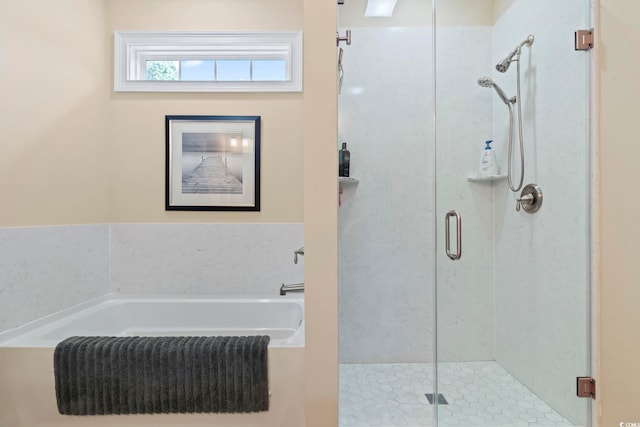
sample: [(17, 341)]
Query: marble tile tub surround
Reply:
[(46, 269), (205, 258)]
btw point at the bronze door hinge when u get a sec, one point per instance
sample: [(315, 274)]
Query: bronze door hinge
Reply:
[(584, 39), (586, 387)]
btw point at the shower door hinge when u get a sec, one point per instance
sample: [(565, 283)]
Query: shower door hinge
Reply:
[(340, 1), (584, 39), (586, 387)]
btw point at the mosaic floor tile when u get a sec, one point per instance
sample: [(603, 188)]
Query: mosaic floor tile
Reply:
[(478, 394)]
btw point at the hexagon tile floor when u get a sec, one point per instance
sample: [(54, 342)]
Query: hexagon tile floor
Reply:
[(478, 394)]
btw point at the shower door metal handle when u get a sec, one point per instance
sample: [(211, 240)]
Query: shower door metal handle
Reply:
[(447, 235)]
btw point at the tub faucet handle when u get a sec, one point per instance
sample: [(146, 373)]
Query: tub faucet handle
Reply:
[(296, 253)]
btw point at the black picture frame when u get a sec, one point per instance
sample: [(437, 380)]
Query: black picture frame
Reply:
[(212, 163)]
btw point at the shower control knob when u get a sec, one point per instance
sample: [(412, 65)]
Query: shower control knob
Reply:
[(524, 199), (530, 199)]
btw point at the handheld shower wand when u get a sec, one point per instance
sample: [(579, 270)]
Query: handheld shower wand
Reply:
[(487, 82)]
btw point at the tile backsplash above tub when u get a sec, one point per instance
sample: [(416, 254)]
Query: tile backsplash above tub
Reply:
[(46, 269), (204, 258)]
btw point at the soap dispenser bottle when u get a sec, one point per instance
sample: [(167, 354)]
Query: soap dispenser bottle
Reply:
[(344, 160), (488, 166)]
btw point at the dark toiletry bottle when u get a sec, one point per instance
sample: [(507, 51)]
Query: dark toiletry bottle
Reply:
[(344, 160)]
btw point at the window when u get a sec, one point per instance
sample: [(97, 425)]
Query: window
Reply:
[(208, 61)]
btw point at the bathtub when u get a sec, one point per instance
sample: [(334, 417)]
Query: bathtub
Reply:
[(26, 354)]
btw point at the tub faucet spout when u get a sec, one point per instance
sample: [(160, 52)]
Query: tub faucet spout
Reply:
[(296, 253), (289, 288)]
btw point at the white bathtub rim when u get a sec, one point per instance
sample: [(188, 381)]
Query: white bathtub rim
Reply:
[(8, 337)]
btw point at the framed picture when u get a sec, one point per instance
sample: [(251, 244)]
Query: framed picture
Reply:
[(213, 163)]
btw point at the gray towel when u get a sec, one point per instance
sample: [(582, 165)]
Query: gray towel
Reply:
[(142, 375)]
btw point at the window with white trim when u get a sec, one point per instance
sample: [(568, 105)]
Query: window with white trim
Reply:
[(257, 61)]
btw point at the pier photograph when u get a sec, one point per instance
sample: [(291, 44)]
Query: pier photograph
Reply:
[(213, 163)]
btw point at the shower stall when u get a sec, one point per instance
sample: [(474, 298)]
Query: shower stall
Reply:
[(456, 308)]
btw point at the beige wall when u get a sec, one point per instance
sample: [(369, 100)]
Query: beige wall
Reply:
[(138, 141), (54, 80), (205, 14), (619, 213), (321, 214), (73, 151), (500, 7), (417, 13), (138, 168)]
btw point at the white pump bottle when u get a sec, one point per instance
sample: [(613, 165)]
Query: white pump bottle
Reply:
[(488, 166)]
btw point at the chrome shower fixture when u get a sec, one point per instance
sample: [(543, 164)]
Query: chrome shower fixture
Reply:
[(487, 82), (503, 65)]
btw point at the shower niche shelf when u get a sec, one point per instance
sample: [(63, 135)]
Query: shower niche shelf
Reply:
[(487, 178), (347, 180)]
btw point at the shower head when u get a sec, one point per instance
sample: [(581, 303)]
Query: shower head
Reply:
[(487, 82), (503, 65)]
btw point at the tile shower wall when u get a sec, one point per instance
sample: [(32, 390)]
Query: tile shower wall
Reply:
[(542, 259), (465, 287), (386, 222), (47, 269), (205, 258)]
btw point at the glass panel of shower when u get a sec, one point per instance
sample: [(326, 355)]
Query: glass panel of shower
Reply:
[(513, 259), (386, 216)]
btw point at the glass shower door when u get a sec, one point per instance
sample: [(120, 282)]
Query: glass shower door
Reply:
[(386, 216), (513, 294)]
